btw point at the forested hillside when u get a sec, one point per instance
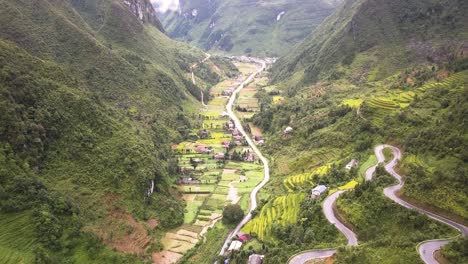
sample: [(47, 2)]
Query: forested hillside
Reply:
[(375, 71), (262, 28), (92, 93)]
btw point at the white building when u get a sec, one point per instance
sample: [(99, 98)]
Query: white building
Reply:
[(317, 191), (288, 130), (235, 245), (352, 163)]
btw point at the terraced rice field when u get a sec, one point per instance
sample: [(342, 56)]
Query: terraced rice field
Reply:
[(16, 238), (283, 211), (304, 179), (383, 107), (352, 102), (347, 186), (460, 77)]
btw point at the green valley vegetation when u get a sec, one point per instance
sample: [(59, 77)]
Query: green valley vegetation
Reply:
[(92, 94), (370, 74), (232, 214), (261, 28)]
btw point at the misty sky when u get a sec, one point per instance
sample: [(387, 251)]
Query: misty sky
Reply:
[(165, 5)]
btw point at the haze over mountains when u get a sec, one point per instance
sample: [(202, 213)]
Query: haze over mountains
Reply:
[(262, 28)]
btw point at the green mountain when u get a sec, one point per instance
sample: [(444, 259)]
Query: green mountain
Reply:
[(378, 38), (92, 94), (261, 28), (376, 71)]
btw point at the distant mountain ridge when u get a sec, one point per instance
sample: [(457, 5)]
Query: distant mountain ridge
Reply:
[(391, 34), (258, 27)]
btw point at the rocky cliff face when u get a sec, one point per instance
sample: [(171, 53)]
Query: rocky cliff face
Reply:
[(145, 11)]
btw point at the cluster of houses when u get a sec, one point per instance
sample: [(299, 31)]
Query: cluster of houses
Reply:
[(236, 246), (227, 92)]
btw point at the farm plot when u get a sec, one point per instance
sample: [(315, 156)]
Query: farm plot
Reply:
[(460, 77), (352, 102), (283, 211), (180, 241), (382, 107), (347, 186), (304, 179)]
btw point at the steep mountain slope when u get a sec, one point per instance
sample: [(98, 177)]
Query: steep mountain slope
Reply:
[(386, 35), (91, 94), (261, 28), (376, 71)]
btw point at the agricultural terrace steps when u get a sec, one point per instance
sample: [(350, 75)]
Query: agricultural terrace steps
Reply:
[(238, 124)]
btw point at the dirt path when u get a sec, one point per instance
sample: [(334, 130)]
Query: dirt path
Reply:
[(208, 56), (232, 194)]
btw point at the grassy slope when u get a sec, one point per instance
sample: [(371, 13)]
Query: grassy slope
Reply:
[(88, 103), (257, 32)]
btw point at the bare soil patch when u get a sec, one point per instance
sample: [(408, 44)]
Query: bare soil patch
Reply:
[(166, 257)]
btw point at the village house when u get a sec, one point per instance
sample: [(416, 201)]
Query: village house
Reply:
[(255, 259), (318, 191), (288, 130), (249, 157), (235, 246), (230, 125), (203, 149), (187, 180), (238, 137), (227, 92), (351, 164), (219, 156), (235, 132), (226, 144), (224, 115), (261, 142)]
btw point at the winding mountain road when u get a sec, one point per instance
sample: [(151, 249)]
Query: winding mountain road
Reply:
[(426, 249), (266, 168), (333, 219)]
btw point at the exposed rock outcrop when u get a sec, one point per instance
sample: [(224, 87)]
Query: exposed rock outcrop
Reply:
[(145, 11)]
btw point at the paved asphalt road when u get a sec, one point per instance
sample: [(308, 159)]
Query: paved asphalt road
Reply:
[(253, 194), (427, 248), (331, 217), (316, 254)]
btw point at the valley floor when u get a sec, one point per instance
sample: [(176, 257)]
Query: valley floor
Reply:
[(218, 168)]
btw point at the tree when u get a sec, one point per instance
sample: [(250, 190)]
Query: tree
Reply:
[(232, 214)]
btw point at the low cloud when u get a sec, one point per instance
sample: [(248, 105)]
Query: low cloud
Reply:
[(165, 5)]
